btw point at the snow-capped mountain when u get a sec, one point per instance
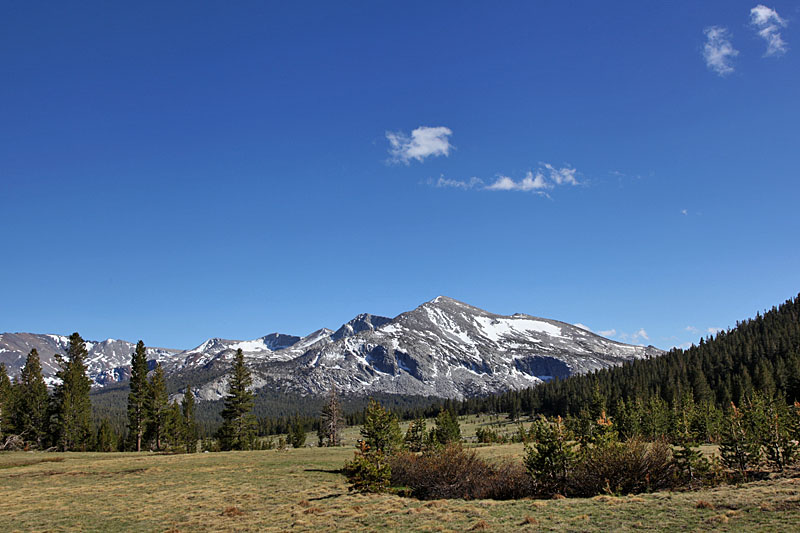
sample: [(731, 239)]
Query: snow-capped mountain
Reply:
[(450, 349), (442, 348), (108, 361)]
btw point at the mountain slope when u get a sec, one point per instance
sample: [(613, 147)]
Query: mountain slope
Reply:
[(442, 348), (108, 361), (450, 349)]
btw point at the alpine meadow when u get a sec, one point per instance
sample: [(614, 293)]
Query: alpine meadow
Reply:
[(432, 266)]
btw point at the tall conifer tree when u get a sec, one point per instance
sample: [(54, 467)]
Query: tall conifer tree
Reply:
[(238, 426), (189, 422), (157, 407), (31, 402), (5, 402), (137, 398), (71, 423)]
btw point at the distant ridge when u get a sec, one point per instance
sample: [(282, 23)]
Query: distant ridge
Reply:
[(443, 348)]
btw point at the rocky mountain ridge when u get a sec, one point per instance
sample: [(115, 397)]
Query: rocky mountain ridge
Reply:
[(443, 348)]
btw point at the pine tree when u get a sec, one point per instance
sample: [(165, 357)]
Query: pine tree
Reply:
[(447, 429), (330, 420), (106, 440), (776, 433), (5, 403), (551, 457), (740, 449), (137, 398), (238, 426), (688, 459), (514, 408), (157, 406), (415, 435), (381, 431), (173, 426), (297, 434), (71, 425), (31, 402), (190, 435)]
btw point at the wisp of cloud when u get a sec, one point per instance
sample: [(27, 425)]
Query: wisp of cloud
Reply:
[(767, 23), (718, 50)]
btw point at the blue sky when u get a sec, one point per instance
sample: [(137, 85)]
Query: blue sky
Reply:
[(175, 171)]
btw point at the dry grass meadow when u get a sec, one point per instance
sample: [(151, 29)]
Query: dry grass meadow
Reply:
[(300, 490)]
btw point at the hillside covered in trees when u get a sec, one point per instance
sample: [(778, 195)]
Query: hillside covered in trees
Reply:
[(761, 355)]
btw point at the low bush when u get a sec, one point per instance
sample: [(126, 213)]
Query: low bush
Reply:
[(453, 472), (628, 467)]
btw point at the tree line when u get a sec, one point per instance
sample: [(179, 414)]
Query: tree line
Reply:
[(32, 416), (649, 397)]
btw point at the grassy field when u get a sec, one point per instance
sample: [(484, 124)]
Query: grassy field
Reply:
[(469, 425), (299, 490)]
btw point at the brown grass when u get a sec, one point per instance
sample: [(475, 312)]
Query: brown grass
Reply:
[(273, 489), (232, 511)]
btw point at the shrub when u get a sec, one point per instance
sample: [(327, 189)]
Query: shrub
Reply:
[(626, 467), (453, 472)]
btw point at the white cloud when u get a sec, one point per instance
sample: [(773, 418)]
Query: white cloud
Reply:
[(604, 333), (684, 212), (718, 50), (713, 331), (561, 176), (692, 329), (423, 142), (443, 182), (641, 334), (767, 23), (530, 182), (545, 178)]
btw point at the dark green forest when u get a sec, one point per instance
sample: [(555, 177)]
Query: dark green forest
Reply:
[(761, 354)]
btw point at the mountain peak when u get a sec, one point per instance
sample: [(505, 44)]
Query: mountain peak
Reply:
[(362, 322)]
